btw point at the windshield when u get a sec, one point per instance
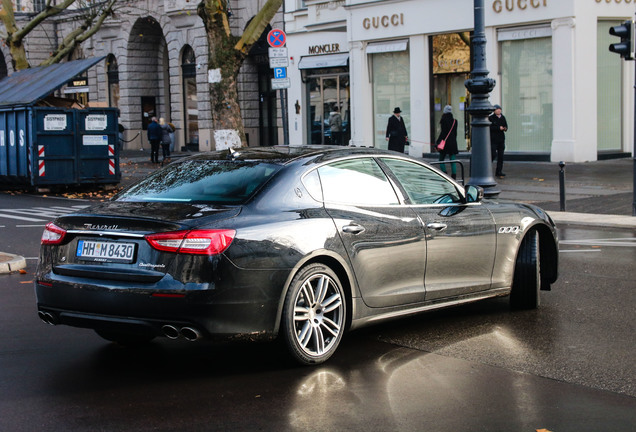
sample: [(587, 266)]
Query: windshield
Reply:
[(202, 181)]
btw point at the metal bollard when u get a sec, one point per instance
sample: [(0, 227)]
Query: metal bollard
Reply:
[(562, 185)]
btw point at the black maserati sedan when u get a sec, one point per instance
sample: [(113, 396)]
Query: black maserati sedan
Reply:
[(296, 243)]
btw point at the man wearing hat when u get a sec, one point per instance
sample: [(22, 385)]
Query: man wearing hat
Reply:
[(396, 131), (498, 128)]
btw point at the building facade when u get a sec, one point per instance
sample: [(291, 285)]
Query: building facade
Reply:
[(155, 64), (566, 97)]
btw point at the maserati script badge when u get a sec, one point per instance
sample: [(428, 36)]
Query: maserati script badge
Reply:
[(100, 227)]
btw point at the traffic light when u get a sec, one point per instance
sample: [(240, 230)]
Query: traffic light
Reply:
[(626, 46)]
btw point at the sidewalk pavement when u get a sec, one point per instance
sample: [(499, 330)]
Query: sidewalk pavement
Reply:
[(597, 193)]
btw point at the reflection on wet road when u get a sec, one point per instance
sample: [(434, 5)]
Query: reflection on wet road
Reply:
[(567, 366)]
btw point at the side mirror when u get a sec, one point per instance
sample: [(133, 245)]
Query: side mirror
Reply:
[(474, 193)]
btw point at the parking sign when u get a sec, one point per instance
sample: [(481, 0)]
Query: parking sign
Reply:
[(280, 72)]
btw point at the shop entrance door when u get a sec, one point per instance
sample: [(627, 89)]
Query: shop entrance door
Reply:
[(325, 93), (449, 89)]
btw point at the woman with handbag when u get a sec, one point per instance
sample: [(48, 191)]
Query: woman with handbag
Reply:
[(446, 143)]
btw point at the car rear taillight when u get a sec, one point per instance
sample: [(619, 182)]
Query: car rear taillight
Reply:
[(52, 234), (199, 242)]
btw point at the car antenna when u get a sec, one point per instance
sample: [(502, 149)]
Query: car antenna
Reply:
[(233, 153)]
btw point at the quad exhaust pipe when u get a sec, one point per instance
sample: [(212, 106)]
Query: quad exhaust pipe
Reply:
[(188, 333), (169, 331), (47, 317)]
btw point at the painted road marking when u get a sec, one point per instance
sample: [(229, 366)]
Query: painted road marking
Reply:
[(34, 213)]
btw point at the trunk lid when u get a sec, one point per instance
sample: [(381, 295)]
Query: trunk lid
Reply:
[(106, 241)]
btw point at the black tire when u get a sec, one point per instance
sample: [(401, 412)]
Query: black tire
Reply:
[(125, 339), (526, 282), (314, 314)]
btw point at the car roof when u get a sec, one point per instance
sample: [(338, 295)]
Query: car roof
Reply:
[(287, 154)]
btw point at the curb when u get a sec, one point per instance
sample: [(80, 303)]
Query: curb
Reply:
[(590, 219), (11, 263)]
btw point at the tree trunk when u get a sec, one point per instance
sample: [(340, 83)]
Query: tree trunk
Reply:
[(13, 39), (224, 63), (18, 55), (226, 54)]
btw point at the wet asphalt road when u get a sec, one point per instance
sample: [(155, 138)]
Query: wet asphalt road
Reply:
[(568, 366)]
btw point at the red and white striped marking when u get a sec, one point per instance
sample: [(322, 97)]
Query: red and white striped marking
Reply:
[(29, 159), (111, 161), (42, 170)]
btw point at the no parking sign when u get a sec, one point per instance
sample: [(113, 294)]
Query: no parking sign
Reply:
[(276, 38)]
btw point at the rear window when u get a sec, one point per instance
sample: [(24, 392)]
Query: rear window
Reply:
[(202, 181)]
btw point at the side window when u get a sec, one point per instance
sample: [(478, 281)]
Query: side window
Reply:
[(422, 185), (357, 182)]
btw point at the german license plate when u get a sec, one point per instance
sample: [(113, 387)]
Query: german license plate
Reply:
[(105, 251)]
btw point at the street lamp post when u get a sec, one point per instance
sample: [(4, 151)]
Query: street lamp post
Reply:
[(480, 85)]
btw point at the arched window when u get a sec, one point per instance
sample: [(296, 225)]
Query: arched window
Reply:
[(112, 72), (190, 102)]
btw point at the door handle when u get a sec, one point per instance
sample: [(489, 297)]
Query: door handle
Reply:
[(353, 228), (437, 226)]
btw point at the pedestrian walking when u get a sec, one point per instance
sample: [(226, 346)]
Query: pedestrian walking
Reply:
[(166, 138), (172, 136), (154, 137), (498, 128), (448, 136), (396, 133), (335, 126)]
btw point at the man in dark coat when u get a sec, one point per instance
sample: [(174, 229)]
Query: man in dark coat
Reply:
[(396, 131), (498, 128), (154, 136)]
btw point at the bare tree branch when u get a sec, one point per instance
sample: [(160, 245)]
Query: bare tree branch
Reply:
[(46, 13), (91, 25), (91, 16), (257, 25)]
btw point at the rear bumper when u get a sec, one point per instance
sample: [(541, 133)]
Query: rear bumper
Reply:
[(171, 328), (246, 309)]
